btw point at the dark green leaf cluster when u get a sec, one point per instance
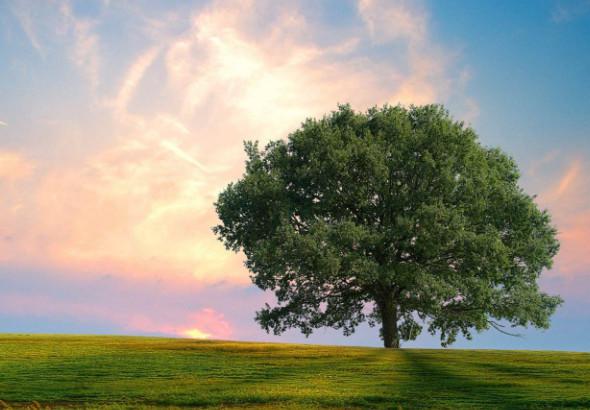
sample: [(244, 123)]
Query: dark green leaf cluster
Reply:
[(396, 211)]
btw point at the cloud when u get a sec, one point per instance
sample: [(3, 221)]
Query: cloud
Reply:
[(567, 200), (25, 16), (206, 323), (568, 179), (171, 306), (138, 207), (132, 79), (84, 52), (3, 124), (170, 146), (261, 84), (14, 166), (58, 26), (178, 110), (472, 110), (427, 78), (397, 20)]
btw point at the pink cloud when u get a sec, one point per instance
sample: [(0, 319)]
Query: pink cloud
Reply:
[(203, 324), (568, 179), (574, 257), (207, 323), (141, 203), (137, 208), (568, 200)]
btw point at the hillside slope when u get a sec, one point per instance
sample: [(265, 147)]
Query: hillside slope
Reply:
[(134, 372)]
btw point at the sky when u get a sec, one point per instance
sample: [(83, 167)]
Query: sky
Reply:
[(121, 121)]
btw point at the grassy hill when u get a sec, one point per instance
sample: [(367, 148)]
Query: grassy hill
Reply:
[(133, 372)]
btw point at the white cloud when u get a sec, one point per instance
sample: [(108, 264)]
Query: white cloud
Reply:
[(132, 79), (395, 20), (428, 77), (24, 14), (143, 203)]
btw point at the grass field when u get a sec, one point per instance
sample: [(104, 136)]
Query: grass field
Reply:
[(132, 372)]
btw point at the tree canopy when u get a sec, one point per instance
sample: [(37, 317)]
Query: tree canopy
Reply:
[(397, 216)]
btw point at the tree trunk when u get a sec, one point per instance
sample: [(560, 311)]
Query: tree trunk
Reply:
[(389, 322)]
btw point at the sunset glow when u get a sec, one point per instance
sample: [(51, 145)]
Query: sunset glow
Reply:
[(196, 334)]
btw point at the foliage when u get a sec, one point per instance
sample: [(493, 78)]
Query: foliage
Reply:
[(399, 209)]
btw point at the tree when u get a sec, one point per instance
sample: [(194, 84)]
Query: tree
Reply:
[(397, 216)]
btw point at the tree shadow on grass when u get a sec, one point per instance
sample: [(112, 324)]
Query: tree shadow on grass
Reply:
[(442, 387), (569, 388)]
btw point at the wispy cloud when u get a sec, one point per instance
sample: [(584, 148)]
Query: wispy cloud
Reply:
[(568, 179), (567, 199), (170, 146), (427, 78), (395, 20), (56, 24), (132, 79), (85, 49), (23, 11)]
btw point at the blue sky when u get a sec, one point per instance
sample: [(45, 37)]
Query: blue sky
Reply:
[(120, 122)]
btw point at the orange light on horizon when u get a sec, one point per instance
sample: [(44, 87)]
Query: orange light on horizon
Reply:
[(195, 334)]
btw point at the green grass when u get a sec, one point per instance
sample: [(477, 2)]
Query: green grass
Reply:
[(132, 372)]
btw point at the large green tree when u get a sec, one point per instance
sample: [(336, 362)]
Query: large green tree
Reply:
[(396, 216)]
